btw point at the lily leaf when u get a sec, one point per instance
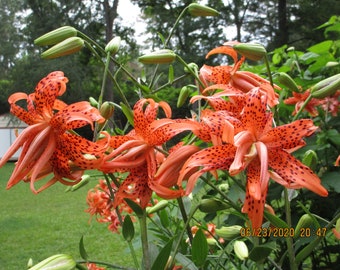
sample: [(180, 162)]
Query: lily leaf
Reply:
[(199, 248)]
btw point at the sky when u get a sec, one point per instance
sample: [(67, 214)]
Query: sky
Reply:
[(131, 17)]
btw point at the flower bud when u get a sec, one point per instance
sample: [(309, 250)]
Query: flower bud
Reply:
[(157, 207), (211, 242), (163, 56), (56, 36), (56, 262), (326, 87), (212, 205), (253, 52), (107, 109), (113, 45), (304, 222), (85, 179), (93, 102), (229, 232), (183, 95), (224, 187), (202, 11), (241, 250), (288, 82), (66, 47), (192, 66), (310, 159)]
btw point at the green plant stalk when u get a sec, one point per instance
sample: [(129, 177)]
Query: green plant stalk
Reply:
[(110, 74), (289, 240), (144, 240), (194, 74), (266, 61), (166, 42), (181, 235), (302, 107), (185, 218), (106, 70), (133, 254)]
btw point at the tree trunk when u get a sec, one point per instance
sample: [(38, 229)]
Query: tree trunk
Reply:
[(282, 37)]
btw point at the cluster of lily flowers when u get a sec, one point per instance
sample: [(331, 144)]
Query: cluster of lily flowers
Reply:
[(234, 131)]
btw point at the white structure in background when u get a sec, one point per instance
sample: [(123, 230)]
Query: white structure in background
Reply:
[(9, 125)]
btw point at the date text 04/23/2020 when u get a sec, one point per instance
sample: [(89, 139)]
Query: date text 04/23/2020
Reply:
[(282, 232)]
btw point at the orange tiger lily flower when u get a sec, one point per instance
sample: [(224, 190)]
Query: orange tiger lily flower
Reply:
[(231, 75), (137, 151), (48, 144), (263, 152)]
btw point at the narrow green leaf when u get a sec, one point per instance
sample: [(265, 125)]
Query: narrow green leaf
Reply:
[(171, 75), (199, 250), (82, 250), (163, 215), (162, 257), (128, 229), (276, 221), (135, 207), (127, 112)]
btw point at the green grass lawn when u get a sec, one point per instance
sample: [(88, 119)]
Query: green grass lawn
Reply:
[(38, 226)]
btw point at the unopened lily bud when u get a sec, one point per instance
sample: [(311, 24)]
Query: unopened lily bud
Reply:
[(85, 179), (224, 187), (202, 11), (191, 66), (310, 159), (211, 242), (93, 102), (107, 109), (113, 45), (66, 47), (56, 262), (163, 56), (241, 250), (183, 95), (326, 87), (229, 232), (287, 81), (157, 207), (253, 52), (212, 205), (304, 222), (56, 36)]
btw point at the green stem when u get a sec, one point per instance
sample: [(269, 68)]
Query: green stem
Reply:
[(192, 72), (185, 218), (266, 61), (289, 240), (302, 107), (106, 70), (167, 42), (144, 239), (133, 254), (181, 236)]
